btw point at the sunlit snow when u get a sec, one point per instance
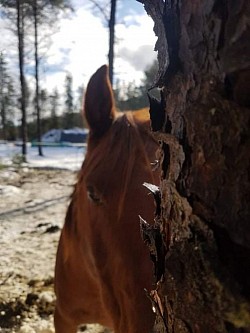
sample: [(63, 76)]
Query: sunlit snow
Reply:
[(69, 158)]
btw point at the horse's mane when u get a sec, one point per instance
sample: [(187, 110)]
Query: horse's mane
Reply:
[(141, 115)]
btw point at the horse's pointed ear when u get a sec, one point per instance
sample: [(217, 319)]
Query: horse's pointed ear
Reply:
[(99, 106)]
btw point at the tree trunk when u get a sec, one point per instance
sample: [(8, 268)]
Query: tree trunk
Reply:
[(202, 249), (3, 120), (111, 40), (20, 31), (2, 98), (37, 98)]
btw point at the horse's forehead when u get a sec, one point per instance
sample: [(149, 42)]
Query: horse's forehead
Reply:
[(123, 144), (125, 126), (137, 120)]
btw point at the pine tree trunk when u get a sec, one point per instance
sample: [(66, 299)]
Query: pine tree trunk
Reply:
[(2, 99), (111, 40), (202, 251), (20, 32), (37, 99), (3, 121)]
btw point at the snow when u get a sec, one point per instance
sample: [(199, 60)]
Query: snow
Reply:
[(66, 158), (33, 204), (9, 190), (76, 130)]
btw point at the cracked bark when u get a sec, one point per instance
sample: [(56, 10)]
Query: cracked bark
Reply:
[(204, 210)]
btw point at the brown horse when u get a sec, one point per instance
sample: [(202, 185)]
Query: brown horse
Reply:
[(102, 265)]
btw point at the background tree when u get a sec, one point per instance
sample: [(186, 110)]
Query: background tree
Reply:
[(79, 98), (44, 100), (150, 75), (201, 236), (7, 101), (111, 40), (3, 84), (17, 10), (37, 101), (69, 102), (20, 36), (54, 106), (10, 109), (42, 11), (110, 19), (3, 93), (131, 96)]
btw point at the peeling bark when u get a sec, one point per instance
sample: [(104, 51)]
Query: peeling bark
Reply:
[(204, 209)]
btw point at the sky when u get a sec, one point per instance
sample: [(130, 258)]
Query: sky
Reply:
[(80, 45)]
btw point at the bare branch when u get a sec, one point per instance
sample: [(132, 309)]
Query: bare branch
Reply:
[(101, 9)]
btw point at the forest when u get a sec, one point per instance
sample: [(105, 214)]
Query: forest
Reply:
[(28, 109), (59, 110)]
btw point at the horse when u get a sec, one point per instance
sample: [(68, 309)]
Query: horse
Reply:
[(102, 265)]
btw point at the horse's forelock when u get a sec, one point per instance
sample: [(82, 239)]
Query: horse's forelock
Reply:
[(113, 158)]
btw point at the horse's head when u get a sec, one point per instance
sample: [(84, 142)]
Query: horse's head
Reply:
[(120, 150), (102, 262)]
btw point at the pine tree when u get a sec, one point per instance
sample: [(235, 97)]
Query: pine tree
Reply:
[(7, 100), (110, 19), (54, 106), (69, 102), (43, 12), (3, 84)]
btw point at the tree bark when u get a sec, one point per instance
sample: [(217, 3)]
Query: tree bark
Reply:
[(202, 222)]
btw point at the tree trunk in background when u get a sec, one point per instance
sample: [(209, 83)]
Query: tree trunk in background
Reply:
[(3, 76), (3, 121), (202, 248), (37, 98), (111, 40), (20, 33)]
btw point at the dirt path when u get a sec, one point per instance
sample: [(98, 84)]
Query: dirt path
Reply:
[(32, 210)]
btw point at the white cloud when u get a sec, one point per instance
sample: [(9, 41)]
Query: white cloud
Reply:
[(140, 58), (81, 46), (135, 50)]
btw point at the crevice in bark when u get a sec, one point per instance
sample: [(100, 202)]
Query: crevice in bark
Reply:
[(220, 11), (168, 125), (157, 113), (171, 21), (166, 160), (152, 237), (182, 182)]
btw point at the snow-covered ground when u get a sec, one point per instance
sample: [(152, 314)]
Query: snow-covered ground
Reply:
[(69, 158)]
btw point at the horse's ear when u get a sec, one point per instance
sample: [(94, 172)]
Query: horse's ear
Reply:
[(99, 106)]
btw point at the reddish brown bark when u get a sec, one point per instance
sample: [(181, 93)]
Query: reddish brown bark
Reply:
[(204, 211)]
